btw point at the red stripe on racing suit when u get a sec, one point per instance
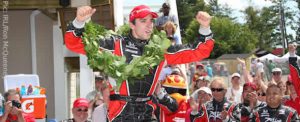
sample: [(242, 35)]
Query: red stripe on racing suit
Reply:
[(295, 73)]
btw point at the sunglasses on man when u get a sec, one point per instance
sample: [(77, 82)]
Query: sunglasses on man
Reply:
[(82, 110), (261, 94), (217, 89), (276, 73)]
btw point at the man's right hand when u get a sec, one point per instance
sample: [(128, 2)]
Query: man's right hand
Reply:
[(253, 99), (84, 13), (194, 105), (8, 106), (203, 19), (241, 61)]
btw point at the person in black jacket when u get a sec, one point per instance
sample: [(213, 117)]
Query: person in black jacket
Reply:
[(275, 111), (242, 111)]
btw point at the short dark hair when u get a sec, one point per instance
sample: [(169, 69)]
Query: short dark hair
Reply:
[(133, 21), (272, 85), (166, 4), (11, 92)]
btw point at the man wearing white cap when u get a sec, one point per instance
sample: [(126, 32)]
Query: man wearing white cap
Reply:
[(198, 98), (234, 92), (202, 81), (202, 95), (276, 75), (219, 109)]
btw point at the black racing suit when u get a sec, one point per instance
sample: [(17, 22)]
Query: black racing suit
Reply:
[(280, 114), (242, 112), (133, 101), (211, 111)]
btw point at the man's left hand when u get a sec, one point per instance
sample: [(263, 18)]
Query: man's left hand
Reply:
[(203, 19), (224, 114)]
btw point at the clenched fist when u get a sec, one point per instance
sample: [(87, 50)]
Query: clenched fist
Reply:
[(84, 13), (203, 19)]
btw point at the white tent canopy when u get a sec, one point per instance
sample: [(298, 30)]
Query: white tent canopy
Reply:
[(276, 58), (287, 55), (269, 57)]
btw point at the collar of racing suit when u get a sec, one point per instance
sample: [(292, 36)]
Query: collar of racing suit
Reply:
[(219, 103), (138, 42), (274, 109)]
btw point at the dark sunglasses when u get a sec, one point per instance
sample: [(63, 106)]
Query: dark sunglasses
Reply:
[(276, 73), (82, 110), (261, 94), (217, 89)]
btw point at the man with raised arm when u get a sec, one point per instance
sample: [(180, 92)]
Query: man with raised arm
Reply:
[(133, 102)]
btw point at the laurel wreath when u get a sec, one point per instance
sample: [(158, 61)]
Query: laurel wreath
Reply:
[(116, 66)]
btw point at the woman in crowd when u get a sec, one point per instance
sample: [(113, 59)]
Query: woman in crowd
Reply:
[(100, 112), (170, 29)]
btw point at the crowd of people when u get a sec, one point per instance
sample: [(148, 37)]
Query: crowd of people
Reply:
[(165, 94)]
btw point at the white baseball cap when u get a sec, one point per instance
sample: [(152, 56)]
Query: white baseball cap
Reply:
[(235, 75), (205, 78), (205, 89), (276, 70)]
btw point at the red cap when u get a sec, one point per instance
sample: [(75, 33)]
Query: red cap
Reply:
[(199, 65), (250, 84), (141, 11), (81, 102)]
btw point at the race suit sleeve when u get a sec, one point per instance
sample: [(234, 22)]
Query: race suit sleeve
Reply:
[(295, 73), (166, 101), (254, 116), (198, 115), (236, 113), (74, 43), (295, 117), (202, 47)]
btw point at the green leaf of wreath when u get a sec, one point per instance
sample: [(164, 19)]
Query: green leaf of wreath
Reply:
[(116, 66)]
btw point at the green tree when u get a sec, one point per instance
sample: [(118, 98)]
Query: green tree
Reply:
[(218, 10), (263, 23), (283, 8), (298, 30), (187, 10), (230, 37)]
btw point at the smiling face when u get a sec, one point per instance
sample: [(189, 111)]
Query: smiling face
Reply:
[(235, 80), (165, 9), (246, 91), (203, 97), (218, 89), (277, 76), (202, 83), (274, 96), (80, 114), (143, 27)]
